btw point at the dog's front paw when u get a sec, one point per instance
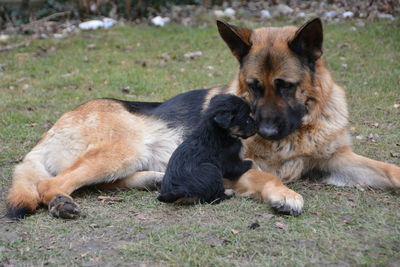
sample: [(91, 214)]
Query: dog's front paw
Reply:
[(62, 206), (286, 201)]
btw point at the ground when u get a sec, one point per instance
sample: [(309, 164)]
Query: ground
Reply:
[(339, 226)]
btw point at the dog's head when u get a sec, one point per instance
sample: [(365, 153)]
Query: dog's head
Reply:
[(233, 114), (278, 69)]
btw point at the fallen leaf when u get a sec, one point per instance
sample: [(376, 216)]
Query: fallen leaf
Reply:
[(141, 217), (234, 231), (280, 225), (372, 124)]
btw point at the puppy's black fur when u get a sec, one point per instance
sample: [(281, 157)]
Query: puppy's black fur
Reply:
[(196, 169)]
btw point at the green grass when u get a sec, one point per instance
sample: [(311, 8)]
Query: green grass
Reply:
[(340, 226)]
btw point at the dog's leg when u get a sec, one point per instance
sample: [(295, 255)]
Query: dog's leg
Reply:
[(349, 169), (268, 188), (105, 164), (147, 180)]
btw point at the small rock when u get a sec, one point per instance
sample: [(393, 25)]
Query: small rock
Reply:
[(4, 38), (396, 105), (348, 15), (91, 25), (165, 56), (96, 24), (265, 14), (59, 35), (193, 54), (395, 154), (301, 15), (229, 12), (384, 16), (283, 9), (91, 46), (210, 68), (360, 23), (330, 14), (108, 22), (160, 21), (85, 59), (219, 13), (344, 65), (360, 137), (126, 89), (254, 225)]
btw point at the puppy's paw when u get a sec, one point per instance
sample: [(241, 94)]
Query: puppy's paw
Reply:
[(229, 192), (62, 206)]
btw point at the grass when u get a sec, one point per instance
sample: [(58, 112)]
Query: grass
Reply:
[(340, 226)]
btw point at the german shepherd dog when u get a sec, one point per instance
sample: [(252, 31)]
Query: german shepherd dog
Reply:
[(212, 152), (282, 73)]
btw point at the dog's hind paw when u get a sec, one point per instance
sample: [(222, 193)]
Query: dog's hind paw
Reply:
[(62, 206)]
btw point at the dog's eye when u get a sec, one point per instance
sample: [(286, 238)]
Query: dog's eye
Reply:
[(255, 86), (284, 87)]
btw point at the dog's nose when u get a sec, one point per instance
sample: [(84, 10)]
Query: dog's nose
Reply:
[(267, 130)]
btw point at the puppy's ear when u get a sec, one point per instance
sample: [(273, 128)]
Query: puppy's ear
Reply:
[(307, 41), (223, 119), (238, 39)]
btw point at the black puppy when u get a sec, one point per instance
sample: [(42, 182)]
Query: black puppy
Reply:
[(197, 167)]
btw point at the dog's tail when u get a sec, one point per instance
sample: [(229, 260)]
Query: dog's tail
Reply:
[(23, 197)]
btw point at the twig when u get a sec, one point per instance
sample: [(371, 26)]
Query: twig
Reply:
[(10, 47), (50, 17)]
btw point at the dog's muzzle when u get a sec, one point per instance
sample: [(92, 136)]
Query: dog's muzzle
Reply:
[(267, 130)]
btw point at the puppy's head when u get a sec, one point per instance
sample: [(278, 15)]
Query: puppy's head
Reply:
[(278, 73), (232, 114)]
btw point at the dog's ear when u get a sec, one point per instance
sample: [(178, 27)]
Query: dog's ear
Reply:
[(223, 119), (307, 41), (238, 39)]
